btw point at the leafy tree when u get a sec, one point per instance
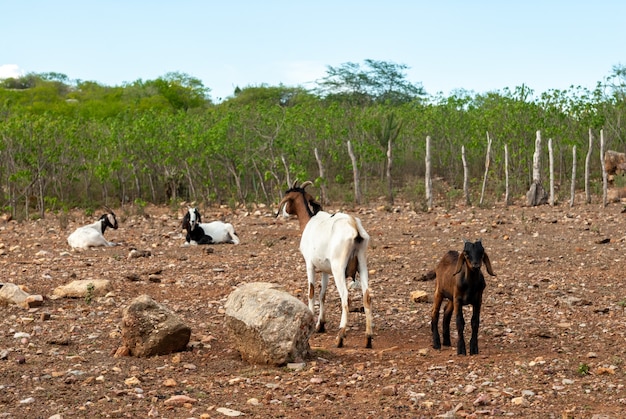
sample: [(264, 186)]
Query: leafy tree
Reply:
[(376, 81)]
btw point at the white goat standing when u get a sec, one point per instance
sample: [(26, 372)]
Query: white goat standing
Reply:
[(92, 235), (333, 244)]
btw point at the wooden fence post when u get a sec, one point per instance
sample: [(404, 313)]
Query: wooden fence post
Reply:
[(427, 178)]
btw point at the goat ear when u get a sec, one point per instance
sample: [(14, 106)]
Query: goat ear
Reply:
[(109, 209), (315, 206), (459, 263), (280, 205), (487, 263)]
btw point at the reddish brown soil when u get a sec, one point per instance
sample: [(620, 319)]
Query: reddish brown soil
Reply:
[(551, 340)]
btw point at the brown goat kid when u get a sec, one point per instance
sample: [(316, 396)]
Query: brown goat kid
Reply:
[(460, 280)]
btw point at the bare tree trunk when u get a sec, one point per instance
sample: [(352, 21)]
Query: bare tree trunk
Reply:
[(355, 174), (192, 189), (286, 171), (216, 190), (551, 162), (152, 190), (536, 195), (573, 187), (40, 198), (604, 174), (389, 183), (506, 176), (487, 160), (428, 179), (137, 184), (587, 163), (258, 173), (466, 193), (320, 167)]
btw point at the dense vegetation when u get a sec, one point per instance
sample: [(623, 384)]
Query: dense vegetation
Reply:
[(79, 143)]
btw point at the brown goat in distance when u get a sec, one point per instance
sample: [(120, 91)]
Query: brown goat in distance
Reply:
[(459, 279)]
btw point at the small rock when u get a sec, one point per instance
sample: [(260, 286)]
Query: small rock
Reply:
[(469, 389), (179, 400), (228, 412), (419, 296), (482, 399), (132, 381), (296, 366), (170, 383), (519, 401), (390, 390)]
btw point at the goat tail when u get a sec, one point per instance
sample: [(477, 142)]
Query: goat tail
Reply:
[(428, 276)]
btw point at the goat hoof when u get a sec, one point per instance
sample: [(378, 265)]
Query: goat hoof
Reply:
[(368, 344), (321, 328), (340, 342)]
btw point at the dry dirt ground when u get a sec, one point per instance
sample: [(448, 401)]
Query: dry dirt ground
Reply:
[(551, 338)]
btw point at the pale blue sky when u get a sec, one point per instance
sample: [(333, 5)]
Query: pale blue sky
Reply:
[(474, 45)]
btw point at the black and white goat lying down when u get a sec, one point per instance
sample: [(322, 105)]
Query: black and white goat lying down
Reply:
[(207, 233), (333, 244), (92, 235)]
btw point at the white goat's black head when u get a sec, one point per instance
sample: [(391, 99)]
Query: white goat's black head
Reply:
[(109, 220), (297, 196), (191, 219), (473, 256)]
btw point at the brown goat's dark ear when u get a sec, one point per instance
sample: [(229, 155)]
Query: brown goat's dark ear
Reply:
[(487, 263), (459, 263)]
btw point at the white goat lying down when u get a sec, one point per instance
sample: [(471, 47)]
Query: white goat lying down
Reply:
[(333, 244), (92, 235), (207, 233)]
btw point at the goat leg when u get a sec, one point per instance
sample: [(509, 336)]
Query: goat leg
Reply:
[(340, 337), (460, 327), (434, 322), (321, 322), (367, 305), (447, 317), (475, 324)]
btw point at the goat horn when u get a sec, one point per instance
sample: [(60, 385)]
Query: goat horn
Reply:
[(305, 184), (294, 184)]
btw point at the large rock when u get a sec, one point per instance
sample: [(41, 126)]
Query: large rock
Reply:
[(149, 328), (268, 325), (13, 294), (83, 288)]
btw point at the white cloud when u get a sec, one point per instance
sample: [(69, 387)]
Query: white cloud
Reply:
[(10, 70)]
